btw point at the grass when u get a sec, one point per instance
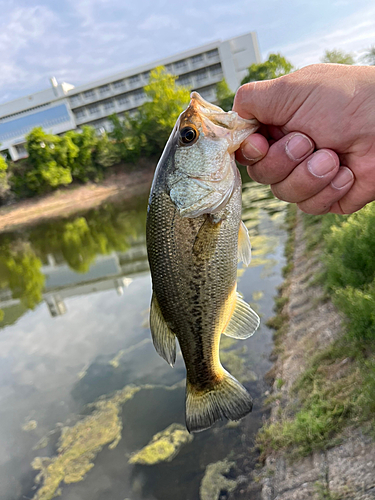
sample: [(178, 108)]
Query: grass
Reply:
[(337, 389)]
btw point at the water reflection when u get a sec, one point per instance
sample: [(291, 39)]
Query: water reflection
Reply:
[(81, 387)]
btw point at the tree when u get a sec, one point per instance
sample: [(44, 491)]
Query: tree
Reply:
[(369, 57), (45, 151), (166, 99), (275, 66), (4, 185), (224, 96), (337, 56)]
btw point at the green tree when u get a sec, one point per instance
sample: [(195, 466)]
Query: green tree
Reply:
[(128, 137), (166, 99), (82, 166), (369, 57), (49, 157), (224, 96), (4, 185), (275, 66), (337, 56)]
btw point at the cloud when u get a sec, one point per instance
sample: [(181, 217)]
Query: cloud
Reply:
[(354, 34)]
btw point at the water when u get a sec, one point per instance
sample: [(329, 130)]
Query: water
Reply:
[(78, 370)]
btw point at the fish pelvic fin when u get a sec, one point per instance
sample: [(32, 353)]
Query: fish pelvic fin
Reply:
[(243, 322), (244, 245), (227, 398), (162, 336)]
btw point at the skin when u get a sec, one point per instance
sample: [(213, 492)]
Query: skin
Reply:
[(323, 114)]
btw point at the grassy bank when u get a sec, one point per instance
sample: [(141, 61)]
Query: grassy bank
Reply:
[(337, 388)]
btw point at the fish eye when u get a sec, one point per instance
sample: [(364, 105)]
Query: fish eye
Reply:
[(188, 135)]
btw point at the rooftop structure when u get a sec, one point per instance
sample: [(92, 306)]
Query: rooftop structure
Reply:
[(64, 107)]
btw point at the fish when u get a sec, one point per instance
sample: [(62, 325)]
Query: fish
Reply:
[(195, 237)]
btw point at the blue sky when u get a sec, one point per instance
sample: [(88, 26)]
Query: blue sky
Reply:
[(82, 40)]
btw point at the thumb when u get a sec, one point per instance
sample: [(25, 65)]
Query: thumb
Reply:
[(272, 102)]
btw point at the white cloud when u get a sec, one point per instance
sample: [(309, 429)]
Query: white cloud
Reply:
[(354, 34), (158, 21)]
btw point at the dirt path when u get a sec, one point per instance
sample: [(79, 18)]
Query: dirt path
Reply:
[(67, 201)]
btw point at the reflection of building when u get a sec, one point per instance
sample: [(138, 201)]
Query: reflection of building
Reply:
[(64, 107), (109, 272)]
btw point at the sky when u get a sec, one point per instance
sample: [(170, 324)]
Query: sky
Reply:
[(78, 41)]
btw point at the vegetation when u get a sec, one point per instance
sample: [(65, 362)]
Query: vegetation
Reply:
[(337, 56), (338, 387), (369, 57), (275, 66), (224, 95)]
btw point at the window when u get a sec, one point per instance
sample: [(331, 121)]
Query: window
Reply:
[(109, 105), (179, 65), (139, 95), (75, 99), (134, 79), (104, 89), (119, 84), (197, 59), (146, 75), (185, 81), (80, 113), (212, 53), (123, 100), (215, 70), (93, 110), (202, 75), (88, 94)]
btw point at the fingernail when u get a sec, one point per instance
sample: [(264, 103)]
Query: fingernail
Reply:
[(298, 146), (250, 152), (321, 163), (344, 176)]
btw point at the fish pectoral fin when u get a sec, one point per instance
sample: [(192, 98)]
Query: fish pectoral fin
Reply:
[(162, 336), (206, 240), (244, 245), (244, 321)]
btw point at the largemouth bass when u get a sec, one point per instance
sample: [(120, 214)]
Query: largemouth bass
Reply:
[(194, 238)]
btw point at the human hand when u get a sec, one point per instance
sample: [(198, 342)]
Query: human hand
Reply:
[(317, 145)]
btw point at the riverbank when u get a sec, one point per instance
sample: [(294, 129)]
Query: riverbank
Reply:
[(310, 447), (119, 185)]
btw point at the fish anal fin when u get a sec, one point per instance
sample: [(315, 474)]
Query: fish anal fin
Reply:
[(162, 336), (227, 398), (244, 245), (243, 322)]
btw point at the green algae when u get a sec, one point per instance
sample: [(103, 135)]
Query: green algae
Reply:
[(214, 480), (30, 425), (79, 445), (163, 447)]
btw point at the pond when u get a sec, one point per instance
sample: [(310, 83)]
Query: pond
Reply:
[(82, 389)]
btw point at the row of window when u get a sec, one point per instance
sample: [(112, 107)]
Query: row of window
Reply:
[(186, 80), (110, 104), (142, 78)]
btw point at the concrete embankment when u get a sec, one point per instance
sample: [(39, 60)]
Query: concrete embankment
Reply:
[(345, 470)]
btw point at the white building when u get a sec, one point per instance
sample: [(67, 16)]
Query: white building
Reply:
[(65, 107)]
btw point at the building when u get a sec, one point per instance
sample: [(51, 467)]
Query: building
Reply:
[(64, 107)]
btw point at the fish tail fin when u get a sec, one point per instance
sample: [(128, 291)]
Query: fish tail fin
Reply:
[(227, 398)]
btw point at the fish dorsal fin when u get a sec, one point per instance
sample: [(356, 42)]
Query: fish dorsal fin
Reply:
[(244, 321), (163, 337), (244, 245)]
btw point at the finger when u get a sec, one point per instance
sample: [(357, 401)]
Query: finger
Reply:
[(309, 177), (328, 198), (283, 156), (252, 149), (361, 193)]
